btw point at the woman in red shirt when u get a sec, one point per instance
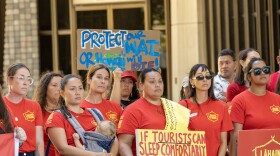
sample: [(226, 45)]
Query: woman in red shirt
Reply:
[(255, 108), (240, 84), (59, 129), (207, 113), (27, 113), (98, 79), (47, 94)]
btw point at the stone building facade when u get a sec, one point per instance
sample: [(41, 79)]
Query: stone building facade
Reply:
[(21, 42)]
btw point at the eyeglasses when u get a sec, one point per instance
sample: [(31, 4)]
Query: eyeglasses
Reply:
[(22, 79), (258, 70), (201, 77)]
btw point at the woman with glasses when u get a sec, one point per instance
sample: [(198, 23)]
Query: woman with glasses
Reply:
[(27, 113), (255, 108), (240, 84), (98, 78), (7, 124), (47, 95), (207, 113)]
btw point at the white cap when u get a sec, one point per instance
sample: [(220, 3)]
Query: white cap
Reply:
[(185, 81)]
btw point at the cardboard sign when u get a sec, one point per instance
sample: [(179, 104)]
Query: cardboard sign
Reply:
[(129, 50), (259, 142), (172, 143)]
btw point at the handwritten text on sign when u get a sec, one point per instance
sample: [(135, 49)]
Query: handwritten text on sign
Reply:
[(129, 50), (174, 143)]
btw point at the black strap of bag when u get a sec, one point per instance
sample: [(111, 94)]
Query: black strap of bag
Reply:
[(97, 115), (48, 148)]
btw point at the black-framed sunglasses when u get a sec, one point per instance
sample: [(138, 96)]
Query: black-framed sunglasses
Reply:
[(258, 70), (201, 77)]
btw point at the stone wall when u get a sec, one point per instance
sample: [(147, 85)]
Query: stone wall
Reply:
[(21, 44)]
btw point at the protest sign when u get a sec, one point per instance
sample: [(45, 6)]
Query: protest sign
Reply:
[(172, 143), (129, 50), (264, 142)]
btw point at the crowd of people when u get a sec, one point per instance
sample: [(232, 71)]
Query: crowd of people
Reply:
[(239, 97)]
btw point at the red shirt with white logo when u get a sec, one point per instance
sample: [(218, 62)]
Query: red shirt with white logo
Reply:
[(256, 112), (212, 117), (27, 114)]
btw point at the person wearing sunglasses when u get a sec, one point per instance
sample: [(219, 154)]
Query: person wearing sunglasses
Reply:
[(27, 113), (240, 84), (255, 108), (207, 113)]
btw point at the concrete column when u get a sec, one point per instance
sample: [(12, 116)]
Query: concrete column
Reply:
[(21, 44), (187, 40)]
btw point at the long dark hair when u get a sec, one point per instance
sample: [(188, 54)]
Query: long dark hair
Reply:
[(239, 77), (5, 116), (134, 93), (63, 83), (250, 66), (192, 74), (40, 94)]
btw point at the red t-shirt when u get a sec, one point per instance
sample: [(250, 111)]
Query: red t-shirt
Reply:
[(56, 119), (273, 81), (141, 114), (256, 112), (27, 115), (233, 90), (213, 118), (46, 115), (110, 110)]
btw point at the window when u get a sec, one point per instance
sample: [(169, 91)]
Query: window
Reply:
[(243, 24)]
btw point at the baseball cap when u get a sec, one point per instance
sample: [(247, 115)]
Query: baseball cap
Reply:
[(185, 81), (129, 74)]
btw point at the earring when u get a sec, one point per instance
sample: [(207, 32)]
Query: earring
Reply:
[(193, 86)]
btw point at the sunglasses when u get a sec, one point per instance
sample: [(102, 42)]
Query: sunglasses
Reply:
[(201, 77), (258, 70)]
